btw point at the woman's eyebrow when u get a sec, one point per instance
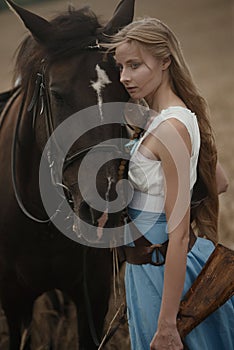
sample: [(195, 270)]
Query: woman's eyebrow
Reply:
[(129, 60)]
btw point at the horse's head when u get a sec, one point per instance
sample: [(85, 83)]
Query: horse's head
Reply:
[(64, 71)]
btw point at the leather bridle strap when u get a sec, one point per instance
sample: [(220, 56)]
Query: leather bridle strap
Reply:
[(13, 167), (94, 148)]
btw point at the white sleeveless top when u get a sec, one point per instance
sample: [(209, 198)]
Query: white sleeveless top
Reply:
[(146, 175)]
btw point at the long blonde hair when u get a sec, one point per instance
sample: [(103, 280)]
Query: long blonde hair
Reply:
[(160, 41)]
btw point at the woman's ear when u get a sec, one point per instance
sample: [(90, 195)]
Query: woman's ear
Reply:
[(166, 62)]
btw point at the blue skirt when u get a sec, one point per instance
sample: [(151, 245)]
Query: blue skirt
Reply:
[(144, 285)]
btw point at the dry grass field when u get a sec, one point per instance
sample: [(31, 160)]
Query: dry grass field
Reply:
[(205, 28)]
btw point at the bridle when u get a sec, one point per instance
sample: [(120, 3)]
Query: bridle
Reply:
[(40, 105)]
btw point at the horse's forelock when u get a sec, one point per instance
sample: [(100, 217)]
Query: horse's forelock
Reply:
[(84, 19), (75, 30)]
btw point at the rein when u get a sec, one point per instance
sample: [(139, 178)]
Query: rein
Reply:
[(13, 170)]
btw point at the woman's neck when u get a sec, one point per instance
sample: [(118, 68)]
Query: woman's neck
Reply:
[(163, 98)]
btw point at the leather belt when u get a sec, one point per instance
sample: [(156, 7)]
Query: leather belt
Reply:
[(143, 252)]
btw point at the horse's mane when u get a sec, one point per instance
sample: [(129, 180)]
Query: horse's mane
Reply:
[(74, 30)]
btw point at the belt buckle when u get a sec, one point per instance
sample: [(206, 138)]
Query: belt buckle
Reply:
[(159, 261)]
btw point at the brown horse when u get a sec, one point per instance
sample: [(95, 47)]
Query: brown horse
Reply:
[(61, 71)]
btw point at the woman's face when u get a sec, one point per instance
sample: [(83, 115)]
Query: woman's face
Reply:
[(140, 72)]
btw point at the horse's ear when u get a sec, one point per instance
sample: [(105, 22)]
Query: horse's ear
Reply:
[(40, 28), (122, 16)]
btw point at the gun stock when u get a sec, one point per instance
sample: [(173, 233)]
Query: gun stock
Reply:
[(211, 289)]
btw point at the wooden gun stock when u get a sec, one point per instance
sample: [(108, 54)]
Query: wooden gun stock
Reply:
[(211, 289)]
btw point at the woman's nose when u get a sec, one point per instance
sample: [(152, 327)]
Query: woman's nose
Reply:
[(124, 76)]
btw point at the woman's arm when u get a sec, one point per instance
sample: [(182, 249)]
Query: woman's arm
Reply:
[(173, 146), (221, 179)]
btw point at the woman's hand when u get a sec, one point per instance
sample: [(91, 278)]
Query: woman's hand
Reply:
[(166, 338)]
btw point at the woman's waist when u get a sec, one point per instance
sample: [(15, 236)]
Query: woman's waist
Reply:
[(147, 202), (150, 224)]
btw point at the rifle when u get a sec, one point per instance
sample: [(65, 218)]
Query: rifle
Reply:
[(211, 289)]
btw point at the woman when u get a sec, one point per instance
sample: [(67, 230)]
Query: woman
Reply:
[(177, 145)]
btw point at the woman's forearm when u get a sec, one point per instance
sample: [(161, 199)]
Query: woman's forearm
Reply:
[(175, 160), (174, 276)]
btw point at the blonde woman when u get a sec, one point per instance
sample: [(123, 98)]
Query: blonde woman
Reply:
[(177, 147)]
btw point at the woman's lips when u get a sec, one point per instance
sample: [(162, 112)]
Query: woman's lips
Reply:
[(131, 89)]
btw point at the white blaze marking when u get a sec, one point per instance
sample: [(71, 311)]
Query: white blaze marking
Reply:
[(110, 180), (98, 86)]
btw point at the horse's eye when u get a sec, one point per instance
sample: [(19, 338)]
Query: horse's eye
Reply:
[(56, 95)]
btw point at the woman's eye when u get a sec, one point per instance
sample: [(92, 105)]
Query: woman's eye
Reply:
[(135, 65), (132, 65)]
